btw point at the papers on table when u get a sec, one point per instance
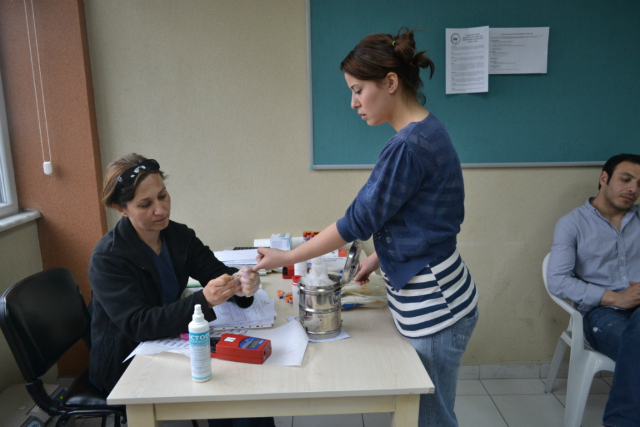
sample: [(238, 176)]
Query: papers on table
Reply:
[(288, 343), (171, 345), (238, 258), (342, 335), (261, 314)]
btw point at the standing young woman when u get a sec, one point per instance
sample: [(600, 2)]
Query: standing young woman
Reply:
[(412, 205), (139, 269)]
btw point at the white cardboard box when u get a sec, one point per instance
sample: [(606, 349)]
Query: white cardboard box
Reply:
[(281, 241)]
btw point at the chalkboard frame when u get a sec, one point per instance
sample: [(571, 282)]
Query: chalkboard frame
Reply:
[(612, 147)]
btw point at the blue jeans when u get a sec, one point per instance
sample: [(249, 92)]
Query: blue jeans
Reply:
[(440, 354), (616, 333)]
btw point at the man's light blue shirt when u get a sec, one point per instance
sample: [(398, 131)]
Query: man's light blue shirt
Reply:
[(589, 255)]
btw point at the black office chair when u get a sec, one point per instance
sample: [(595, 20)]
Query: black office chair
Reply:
[(41, 317)]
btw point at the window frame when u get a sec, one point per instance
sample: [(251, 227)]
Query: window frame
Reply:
[(7, 178)]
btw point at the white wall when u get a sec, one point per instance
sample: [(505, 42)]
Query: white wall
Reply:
[(216, 91)]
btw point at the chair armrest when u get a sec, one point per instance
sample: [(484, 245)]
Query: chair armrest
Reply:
[(564, 304), (577, 333), (575, 324)]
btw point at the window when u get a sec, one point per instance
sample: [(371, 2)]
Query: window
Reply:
[(8, 198)]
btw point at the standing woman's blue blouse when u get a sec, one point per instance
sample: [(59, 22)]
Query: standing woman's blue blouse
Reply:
[(413, 202)]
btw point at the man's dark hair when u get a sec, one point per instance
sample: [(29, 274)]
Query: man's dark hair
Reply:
[(613, 162)]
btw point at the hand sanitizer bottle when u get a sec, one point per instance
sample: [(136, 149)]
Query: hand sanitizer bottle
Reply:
[(199, 341)]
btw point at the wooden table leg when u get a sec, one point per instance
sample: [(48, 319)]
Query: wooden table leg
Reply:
[(142, 416), (407, 410)]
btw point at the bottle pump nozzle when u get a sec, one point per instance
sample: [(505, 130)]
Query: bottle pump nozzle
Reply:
[(197, 313)]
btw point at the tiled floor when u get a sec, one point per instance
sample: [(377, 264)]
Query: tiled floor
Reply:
[(480, 403)]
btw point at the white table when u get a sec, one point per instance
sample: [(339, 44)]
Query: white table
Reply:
[(376, 370)]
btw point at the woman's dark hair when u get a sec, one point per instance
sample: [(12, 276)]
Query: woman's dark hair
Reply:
[(380, 54), (119, 194)]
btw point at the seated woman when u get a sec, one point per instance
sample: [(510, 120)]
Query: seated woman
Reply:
[(140, 268)]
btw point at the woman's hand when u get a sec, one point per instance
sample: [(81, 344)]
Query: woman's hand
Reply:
[(328, 240), (269, 259), (220, 289), (249, 282), (367, 266)]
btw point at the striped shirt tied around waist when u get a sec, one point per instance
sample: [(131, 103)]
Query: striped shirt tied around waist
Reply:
[(434, 299)]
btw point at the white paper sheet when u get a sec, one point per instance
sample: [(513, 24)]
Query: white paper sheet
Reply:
[(288, 344), (467, 60), (239, 257), (342, 335), (172, 345), (518, 50), (260, 314)]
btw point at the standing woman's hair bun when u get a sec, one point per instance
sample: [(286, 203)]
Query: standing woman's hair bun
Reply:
[(380, 54), (405, 47)]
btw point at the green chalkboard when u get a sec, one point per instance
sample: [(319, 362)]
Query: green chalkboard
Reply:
[(584, 110)]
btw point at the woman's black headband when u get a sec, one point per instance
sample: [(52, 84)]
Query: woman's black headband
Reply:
[(128, 177)]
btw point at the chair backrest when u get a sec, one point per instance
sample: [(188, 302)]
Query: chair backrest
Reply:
[(41, 317)]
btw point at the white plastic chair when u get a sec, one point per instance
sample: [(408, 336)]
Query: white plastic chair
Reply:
[(584, 362)]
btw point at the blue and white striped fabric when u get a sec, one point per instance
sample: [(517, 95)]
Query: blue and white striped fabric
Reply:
[(436, 298)]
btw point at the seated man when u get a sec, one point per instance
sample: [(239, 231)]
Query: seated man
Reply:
[(595, 262)]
